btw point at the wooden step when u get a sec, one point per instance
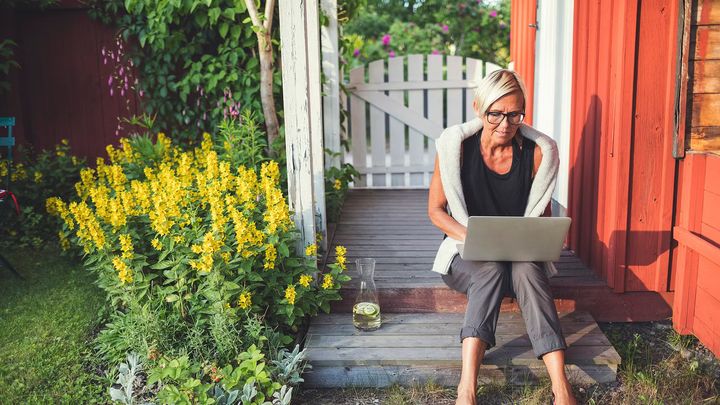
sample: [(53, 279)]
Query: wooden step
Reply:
[(412, 348)]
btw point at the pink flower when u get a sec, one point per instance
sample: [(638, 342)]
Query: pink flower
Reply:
[(386, 39), (445, 28), (356, 52), (435, 52), (391, 54), (493, 14), (142, 93)]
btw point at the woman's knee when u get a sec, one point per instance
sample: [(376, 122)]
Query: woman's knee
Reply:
[(527, 273)]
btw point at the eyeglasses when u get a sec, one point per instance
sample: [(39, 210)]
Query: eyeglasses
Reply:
[(496, 117)]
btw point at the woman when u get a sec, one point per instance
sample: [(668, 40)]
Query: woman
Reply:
[(495, 165)]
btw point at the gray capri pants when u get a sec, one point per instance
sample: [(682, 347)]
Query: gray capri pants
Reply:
[(487, 283)]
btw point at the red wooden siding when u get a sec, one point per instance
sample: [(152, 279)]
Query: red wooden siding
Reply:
[(522, 48), (621, 167), (61, 89), (697, 231)]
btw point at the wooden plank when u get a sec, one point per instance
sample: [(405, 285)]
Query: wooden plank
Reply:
[(384, 376), (704, 139), (358, 130), (396, 73), (437, 328), (434, 101), (408, 117), (413, 85), (473, 71), (711, 214), (377, 126), (707, 42), (435, 341), (451, 356), (331, 72), (454, 105), (298, 74), (705, 110), (433, 318), (416, 147), (708, 12), (706, 76)]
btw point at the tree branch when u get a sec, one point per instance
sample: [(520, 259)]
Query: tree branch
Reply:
[(269, 10), (252, 10)]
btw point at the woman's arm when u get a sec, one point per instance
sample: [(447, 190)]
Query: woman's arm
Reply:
[(436, 208)]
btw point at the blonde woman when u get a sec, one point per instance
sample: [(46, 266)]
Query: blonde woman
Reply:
[(496, 165)]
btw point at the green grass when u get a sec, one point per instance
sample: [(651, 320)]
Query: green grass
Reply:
[(46, 323)]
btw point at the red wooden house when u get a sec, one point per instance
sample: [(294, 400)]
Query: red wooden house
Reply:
[(632, 88)]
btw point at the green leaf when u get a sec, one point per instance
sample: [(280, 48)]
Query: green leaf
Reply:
[(283, 249), (224, 29), (161, 265), (172, 298), (214, 14)]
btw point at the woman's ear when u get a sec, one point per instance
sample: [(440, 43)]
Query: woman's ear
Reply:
[(476, 108)]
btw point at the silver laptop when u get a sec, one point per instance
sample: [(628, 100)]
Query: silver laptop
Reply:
[(526, 239)]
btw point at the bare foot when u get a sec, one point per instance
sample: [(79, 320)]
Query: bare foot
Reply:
[(466, 396), (564, 395)]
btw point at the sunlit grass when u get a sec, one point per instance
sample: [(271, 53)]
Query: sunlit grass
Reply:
[(46, 322)]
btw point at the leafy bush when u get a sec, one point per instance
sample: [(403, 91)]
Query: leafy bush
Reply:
[(33, 179), (195, 62), (336, 187), (188, 238)]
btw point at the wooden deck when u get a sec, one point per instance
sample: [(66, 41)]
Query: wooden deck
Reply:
[(422, 317), (415, 348)]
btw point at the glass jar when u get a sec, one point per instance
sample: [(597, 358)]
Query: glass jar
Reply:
[(366, 311)]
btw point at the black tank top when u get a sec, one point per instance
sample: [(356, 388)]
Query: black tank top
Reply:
[(491, 194)]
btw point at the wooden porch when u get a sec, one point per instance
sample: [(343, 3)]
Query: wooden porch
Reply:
[(422, 317)]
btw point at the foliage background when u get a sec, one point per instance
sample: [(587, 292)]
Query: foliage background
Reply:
[(470, 28)]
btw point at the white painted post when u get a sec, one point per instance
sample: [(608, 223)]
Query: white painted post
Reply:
[(299, 38), (331, 70), (312, 9)]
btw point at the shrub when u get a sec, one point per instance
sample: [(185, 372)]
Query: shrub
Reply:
[(187, 249), (34, 178)]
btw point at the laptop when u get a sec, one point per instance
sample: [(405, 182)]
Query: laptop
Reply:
[(522, 239)]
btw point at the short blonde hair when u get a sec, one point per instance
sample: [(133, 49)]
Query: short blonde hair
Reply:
[(496, 85)]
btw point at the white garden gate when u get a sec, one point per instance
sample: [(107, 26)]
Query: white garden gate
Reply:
[(395, 117)]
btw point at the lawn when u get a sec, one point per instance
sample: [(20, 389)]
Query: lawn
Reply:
[(46, 324)]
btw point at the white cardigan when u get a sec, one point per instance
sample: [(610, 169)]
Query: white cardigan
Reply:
[(449, 146)]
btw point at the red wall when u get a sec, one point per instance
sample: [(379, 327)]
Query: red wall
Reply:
[(61, 89), (522, 48), (697, 231), (621, 166)]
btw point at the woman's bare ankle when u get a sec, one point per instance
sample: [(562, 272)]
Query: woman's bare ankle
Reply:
[(466, 394)]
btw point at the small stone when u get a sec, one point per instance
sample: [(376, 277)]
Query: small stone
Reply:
[(685, 354), (581, 389)]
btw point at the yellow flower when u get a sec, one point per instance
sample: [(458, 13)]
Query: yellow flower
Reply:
[(290, 294), (270, 256), (126, 246), (245, 300), (305, 280), (156, 244), (337, 185), (123, 270), (311, 250), (340, 252), (65, 142), (38, 177), (327, 281)]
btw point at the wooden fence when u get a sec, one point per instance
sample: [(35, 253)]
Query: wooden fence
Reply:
[(396, 117)]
